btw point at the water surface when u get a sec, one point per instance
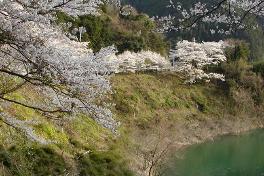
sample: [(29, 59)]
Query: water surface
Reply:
[(226, 156)]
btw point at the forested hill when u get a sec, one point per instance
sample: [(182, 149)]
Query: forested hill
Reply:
[(151, 7), (156, 7), (254, 37), (159, 8), (63, 111)]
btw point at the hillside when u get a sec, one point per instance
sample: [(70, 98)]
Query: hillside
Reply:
[(88, 90), (202, 31), (135, 32), (147, 104)]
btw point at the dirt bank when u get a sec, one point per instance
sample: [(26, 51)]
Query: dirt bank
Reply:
[(155, 147)]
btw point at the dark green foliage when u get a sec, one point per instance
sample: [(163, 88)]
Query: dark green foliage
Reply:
[(201, 103), (239, 51), (258, 68), (99, 32), (46, 162), (102, 164), (238, 72), (255, 37), (39, 161), (130, 42), (62, 17), (134, 32), (237, 61), (5, 158), (4, 37)]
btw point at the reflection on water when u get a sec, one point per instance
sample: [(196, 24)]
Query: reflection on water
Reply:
[(227, 156)]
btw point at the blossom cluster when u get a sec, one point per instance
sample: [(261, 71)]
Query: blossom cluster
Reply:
[(140, 61), (228, 13), (191, 58), (36, 51)]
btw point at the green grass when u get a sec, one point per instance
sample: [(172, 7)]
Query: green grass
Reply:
[(103, 163), (142, 98), (70, 138), (31, 160), (143, 102)]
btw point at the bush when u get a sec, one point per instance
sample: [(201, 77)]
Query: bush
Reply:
[(258, 68), (46, 162), (131, 43), (238, 72), (32, 161), (235, 69), (5, 158), (239, 51), (102, 163)]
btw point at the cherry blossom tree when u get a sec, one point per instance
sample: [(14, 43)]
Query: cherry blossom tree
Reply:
[(191, 58), (228, 13), (34, 52)]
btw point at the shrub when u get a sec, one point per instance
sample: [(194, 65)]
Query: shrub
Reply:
[(238, 72), (239, 51), (32, 161), (102, 163), (131, 43), (258, 68), (45, 162), (5, 158), (235, 69)]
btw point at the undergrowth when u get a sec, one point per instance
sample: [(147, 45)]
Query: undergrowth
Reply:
[(142, 102)]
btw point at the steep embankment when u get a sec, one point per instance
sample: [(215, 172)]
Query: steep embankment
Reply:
[(75, 145), (158, 114)]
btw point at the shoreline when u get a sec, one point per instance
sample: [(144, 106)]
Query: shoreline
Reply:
[(196, 132)]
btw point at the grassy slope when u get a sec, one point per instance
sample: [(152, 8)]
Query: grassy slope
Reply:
[(143, 103), (79, 145), (165, 96), (159, 110)]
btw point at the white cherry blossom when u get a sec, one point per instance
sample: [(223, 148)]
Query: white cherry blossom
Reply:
[(36, 52), (191, 58)]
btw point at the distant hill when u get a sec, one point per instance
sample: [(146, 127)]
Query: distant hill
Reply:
[(202, 32), (151, 7), (156, 7), (159, 8)]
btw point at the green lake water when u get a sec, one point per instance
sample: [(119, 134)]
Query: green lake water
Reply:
[(226, 156)]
